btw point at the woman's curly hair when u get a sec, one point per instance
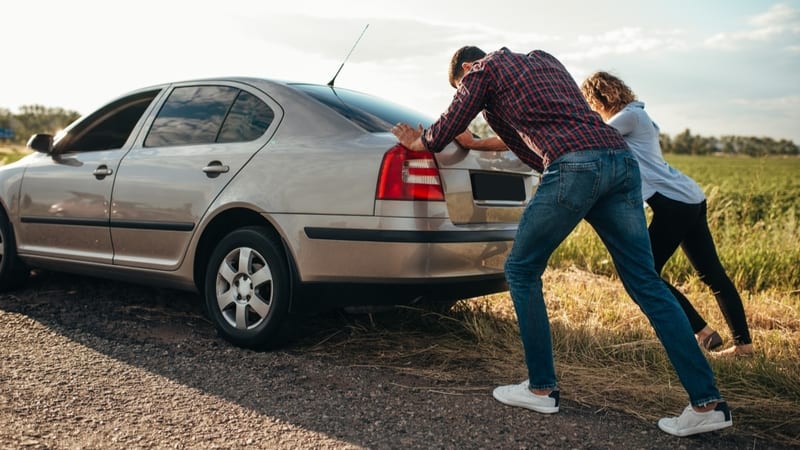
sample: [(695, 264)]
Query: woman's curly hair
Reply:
[(606, 92)]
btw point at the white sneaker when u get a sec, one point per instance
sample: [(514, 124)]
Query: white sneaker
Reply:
[(521, 395), (693, 422)]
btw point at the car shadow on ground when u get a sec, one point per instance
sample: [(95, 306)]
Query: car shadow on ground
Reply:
[(175, 320)]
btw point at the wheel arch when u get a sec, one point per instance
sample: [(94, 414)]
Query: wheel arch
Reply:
[(225, 223)]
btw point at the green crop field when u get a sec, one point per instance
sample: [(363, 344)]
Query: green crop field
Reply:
[(753, 210)]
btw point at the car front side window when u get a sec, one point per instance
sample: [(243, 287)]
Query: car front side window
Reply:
[(108, 128)]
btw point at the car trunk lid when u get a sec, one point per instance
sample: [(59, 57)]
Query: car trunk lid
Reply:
[(484, 187)]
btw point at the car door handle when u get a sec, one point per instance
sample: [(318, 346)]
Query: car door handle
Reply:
[(214, 168), (102, 172)]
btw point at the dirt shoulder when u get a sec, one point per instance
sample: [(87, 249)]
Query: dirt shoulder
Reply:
[(89, 363)]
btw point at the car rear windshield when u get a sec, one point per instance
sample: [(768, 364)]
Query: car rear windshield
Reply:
[(369, 112)]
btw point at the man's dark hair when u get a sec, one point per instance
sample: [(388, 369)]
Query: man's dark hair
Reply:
[(467, 53)]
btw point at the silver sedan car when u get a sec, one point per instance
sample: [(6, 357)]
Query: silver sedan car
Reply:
[(266, 197)]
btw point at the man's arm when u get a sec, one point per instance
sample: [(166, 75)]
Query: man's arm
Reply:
[(467, 103), (515, 143), (410, 138), (490, 144)]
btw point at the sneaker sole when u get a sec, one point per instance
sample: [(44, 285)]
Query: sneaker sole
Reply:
[(539, 409), (696, 430)]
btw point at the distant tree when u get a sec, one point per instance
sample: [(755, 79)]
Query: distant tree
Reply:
[(682, 144), (728, 145), (5, 115), (34, 119), (787, 147), (757, 146), (666, 143), (687, 144), (40, 119), (6, 123), (706, 145)]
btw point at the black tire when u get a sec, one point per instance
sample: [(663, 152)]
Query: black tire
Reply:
[(13, 272), (245, 313)]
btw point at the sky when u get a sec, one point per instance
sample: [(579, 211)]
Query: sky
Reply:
[(715, 67)]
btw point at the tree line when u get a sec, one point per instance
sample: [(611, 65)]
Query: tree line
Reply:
[(686, 143), (34, 119)]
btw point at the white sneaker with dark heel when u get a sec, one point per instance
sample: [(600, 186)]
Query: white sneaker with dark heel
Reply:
[(521, 395), (692, 422)]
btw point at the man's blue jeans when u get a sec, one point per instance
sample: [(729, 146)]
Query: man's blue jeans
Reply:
[(603, 187)]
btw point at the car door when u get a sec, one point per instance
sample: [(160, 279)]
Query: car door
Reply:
[(200, 138), (65, 195)]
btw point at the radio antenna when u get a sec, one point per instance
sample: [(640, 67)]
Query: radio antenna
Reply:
[(330, 83)]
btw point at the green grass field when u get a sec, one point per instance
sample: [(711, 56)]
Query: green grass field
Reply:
[(753, 213)]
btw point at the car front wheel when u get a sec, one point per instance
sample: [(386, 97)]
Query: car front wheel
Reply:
[(247, 287)]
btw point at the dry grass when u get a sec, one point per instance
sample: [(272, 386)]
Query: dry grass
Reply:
[(607, 355)]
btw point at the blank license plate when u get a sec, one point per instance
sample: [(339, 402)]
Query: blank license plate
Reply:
[(497, 187)]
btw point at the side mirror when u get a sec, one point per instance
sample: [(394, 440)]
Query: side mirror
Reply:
[(41, 143)]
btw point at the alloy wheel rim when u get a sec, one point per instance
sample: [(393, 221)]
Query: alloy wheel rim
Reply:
[(244, 288)]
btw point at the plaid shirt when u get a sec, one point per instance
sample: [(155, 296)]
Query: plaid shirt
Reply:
[(531, 102)]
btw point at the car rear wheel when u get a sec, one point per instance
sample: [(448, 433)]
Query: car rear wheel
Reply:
[(13, 272), (247, 287)]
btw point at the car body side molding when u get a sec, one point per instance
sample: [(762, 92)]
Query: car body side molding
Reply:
[(426, 237), (138, 225)]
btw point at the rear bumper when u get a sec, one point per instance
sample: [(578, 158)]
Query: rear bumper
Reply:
[(397, 267), (396, 256), (351, 260)]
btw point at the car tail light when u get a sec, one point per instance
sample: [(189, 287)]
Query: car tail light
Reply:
[(409, 175)]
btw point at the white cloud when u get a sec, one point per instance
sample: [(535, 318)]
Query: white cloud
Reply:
[(777, 15), (625, 41), (787, 103), (779, 23)]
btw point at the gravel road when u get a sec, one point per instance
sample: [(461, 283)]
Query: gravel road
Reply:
[(87, 363)]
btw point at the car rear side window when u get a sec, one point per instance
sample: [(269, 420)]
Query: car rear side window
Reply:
[(371, 113), (247, 120), (208, 114)]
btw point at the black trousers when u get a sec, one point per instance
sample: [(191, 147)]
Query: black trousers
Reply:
[(680, 224)]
